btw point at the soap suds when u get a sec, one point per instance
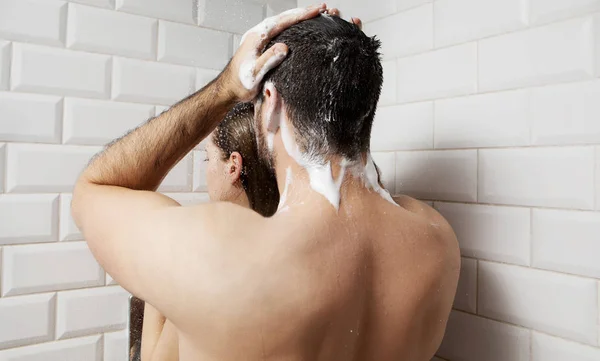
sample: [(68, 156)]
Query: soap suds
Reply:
[(288, 181), (371, 180)]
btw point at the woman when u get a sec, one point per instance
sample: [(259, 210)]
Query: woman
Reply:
[(235, 173)]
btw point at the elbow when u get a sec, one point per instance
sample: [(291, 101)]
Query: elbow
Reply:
[(78, 201)]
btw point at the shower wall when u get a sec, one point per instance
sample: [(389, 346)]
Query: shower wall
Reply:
[(491, 111), (73, 76)]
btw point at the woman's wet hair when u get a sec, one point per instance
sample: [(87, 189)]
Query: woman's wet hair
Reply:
[(236, 133)]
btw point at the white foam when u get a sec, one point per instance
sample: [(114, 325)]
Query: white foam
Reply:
[(372, 182), (288, 181)]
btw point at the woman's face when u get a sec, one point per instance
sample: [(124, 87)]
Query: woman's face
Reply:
[(222, 175)]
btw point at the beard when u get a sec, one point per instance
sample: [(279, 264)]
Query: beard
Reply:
[(264, 154)]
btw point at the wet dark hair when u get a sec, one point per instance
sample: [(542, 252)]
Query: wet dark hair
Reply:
[(236, 133), (330, 82)]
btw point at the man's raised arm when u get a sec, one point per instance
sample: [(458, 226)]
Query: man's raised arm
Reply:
[(138, 235)]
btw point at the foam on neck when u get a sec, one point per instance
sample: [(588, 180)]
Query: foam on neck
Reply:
[(288, 181), (371, 180)]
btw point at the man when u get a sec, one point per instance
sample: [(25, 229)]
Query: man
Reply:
[(340, 272)]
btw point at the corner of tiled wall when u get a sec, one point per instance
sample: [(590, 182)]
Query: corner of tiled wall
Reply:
[(73, 76)]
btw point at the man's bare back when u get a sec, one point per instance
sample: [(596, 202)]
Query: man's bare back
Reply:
[(339, 273)]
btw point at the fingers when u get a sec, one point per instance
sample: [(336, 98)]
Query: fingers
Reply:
[(334, 12), (269, 60), (291, 17), (357, 22)]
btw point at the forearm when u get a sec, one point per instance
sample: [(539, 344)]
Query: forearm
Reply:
[(141, 159)]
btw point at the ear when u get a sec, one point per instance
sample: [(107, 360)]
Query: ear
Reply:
[(234, 167), (273, 107)]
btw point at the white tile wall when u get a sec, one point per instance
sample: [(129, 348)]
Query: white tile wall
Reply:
[(149, 82), (490, 232), (91, 311), (543, 11), (48, 267), (96, 122), (487, 120), (566, 241), (407, 4), (45, 167), (548, 177), (187, 44), (408, 126), (74, 75), (386, 163), (30, 118), (31, 318), (235, 16), (116, 346), (472, 338), (549, 348), (87, 348), (597, 178), (554, 303), (443, 175), (128, 35), (416, 22), (199, 178), (457, 21), (28, 218), (175, 10), (37, 21), (551, 54), (275, 7), (41, 69), (466, 292), (566, 114), (5, 54), (438, 74), (388, 90), (68, 230)]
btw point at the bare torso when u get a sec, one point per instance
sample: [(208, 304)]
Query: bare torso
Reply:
[(372, 282)]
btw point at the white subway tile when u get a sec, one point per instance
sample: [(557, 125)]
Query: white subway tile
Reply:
[(402, 5), (547, 177), (400, 127), (555, 53), (176, 10), (472, 338), (199, 171), (374, 9), (417, 22), (68, 230), (194, 46), (388, 90), (109, 4), (566, 114), (566, 241), (487, 120), (597, 178), (189, 199), (5, 47), (179, 178), (111, 32), (37, 21), (544, 11), (28, 218), (30, 118), (49, 267), (438, 74), (442, 175), (548, 348), (558, 304), (116, 346), (2, 166), (490, 232), (235, 16), (80, 349), (457, 21), (237, 39), (466, 292), (148, 82), (45, 167), (41, 69), (279, 6), (387, 166), (26, 320), (91, 311), (110, 280), (205, 76), (94, 122)]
